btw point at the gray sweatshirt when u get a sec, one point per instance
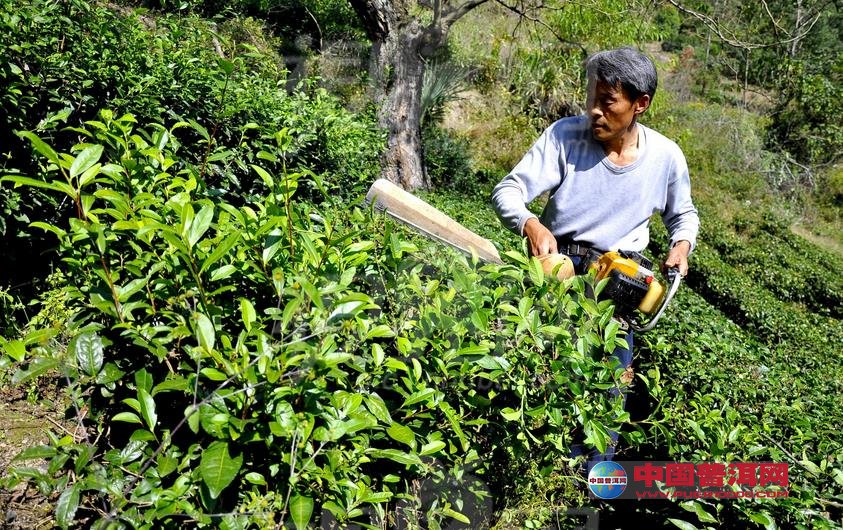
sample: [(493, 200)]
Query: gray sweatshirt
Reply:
[(593, 201)]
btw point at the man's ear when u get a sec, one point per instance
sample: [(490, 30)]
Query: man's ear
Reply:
[(642, 104)]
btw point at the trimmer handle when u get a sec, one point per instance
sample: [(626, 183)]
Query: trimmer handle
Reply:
[(671, 274), (673, 279)]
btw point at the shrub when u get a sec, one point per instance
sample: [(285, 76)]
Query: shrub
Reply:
[(447, 161), (803, 123), (62, 59), (277, 361)]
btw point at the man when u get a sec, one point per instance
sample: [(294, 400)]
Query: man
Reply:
[(606, 174)]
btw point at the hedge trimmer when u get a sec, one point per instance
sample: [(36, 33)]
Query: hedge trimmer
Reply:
[(631, 282)]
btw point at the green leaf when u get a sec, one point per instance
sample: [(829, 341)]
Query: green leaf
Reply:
[(193, 419), (536, 271), (599, 286), (432, 447), (226, 66), (456, 515), (597, 435), (378, 408), (516, 256), (15, 349), (128, 417), (474, 349), (418, 397), (451, 414), (88, 176), (27, 181), (301, 509), (174, 383), (762, 518), (223, 272), (395, 455), (37, 368), (378, 354), (41, 147), (67, 504), (143, 380), (360, 246), (380, 331), (84, 160), (403, 434), (247, 311), (684, 525), (378, 497), (609, 335), (810, 466), (147, 409), (217, 468), (89, 353), (265, 176), (201, 223), (166, 465), (213, 374), (205, 332), (272, 244), (697, 508), (221, 250), (511, 415), (255, 478), (47, 227), (35, 453), (125, 292), (201, 130)]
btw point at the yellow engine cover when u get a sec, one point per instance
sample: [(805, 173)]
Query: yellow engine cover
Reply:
[(614, 261)]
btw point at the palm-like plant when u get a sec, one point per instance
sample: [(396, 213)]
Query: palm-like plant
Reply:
[(443, 82)]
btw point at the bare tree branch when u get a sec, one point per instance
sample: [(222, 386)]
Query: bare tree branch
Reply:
[(773, 20), (731, 39), (437, 12), (524, 15), (454, 13), (318, 28)]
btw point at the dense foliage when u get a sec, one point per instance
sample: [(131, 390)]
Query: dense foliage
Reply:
[(240, 342), (788, 53), (62, 60), (274, 358)]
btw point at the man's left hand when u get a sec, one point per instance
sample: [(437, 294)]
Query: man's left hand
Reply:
[(678, 257)]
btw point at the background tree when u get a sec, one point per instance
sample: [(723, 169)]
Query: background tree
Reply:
[(789, 51), (404, 34)]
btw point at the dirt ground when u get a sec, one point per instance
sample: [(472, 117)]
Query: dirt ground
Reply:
[(22, 425)]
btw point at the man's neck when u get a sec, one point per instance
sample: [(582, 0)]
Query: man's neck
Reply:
[(624, 150)]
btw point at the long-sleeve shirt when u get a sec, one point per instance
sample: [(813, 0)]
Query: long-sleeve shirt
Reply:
[(593, 201)]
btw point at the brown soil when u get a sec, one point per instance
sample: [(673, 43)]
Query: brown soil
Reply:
[(23, 426)]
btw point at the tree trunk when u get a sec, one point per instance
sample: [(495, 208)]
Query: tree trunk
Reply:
[(400, 45), (797, 27), (400, 107)]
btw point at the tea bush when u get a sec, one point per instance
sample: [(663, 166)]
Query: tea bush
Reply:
[(62, 60), (708, 389), (278, 361)]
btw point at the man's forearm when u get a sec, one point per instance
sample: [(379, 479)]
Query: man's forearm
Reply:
[(508, 201)]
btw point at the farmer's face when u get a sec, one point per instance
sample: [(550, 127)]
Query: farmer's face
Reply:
[(611, 112)]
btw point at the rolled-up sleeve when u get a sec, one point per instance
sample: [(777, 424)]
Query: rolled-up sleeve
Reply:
[(537, 172), (680, 216)]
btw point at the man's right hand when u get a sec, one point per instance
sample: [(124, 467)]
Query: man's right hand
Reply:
[(541, 240)]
